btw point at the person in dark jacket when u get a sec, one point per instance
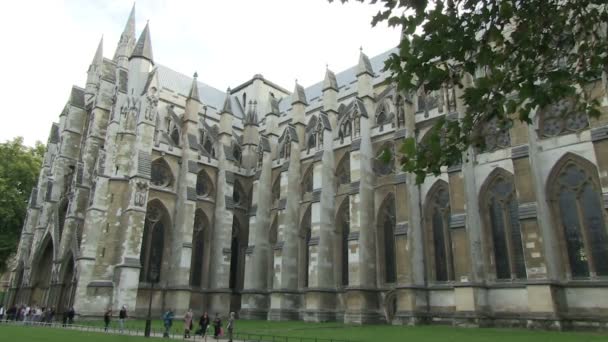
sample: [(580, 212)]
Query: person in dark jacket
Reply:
[(71, 314), (168, 321), (217, 326), (203, 323), (106, 318), (122, 316)]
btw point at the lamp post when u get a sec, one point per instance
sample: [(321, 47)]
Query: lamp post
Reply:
[(153, 277)]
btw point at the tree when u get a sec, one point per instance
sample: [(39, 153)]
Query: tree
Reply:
[(18, 175), (508, 58)]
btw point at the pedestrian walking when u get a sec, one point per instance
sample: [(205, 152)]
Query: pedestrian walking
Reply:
[(230, 326), (203, 323), (106, 319), (71, 314), (168, 321), (187, 323), (122, 316), (217, 326), (1, 312)]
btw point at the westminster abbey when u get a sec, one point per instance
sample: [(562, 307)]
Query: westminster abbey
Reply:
[(274, 204)]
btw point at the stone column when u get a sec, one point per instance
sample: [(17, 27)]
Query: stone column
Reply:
[(321, 296)]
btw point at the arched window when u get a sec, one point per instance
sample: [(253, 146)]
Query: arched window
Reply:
[(161, 175), (203, 184), (198, 248), (387, 221), (499, 203), (234, 253), (307, 181), (306, 231), (276, 190), (576, 201), (152, 250), (438, 228), (494, 136), (238, 194), (561, 117), (343, 224), (62, 212), (343, 170)]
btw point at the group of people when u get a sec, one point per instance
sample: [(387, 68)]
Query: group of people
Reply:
[(34, 314), (168, 316), (204, 324)]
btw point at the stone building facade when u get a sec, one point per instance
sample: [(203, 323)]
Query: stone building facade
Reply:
[(274, 204)]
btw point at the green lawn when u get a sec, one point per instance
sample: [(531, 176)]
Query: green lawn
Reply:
[(388, 333)]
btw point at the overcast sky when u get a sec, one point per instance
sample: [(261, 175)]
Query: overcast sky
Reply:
[(48, 45)]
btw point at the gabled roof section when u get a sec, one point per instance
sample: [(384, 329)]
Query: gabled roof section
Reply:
[(143, 48)]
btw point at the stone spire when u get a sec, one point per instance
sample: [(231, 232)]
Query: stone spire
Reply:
[(194, 89), (98, 58), (127, 40), (299, 96), (364, 66), (330, 81), (227, 108), (143, 48)]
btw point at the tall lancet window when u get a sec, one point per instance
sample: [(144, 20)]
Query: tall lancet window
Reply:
[(343, 225), (499, 202), (203, 184), (305, 235), (198, 248), (152, 250), (343, 170), (438, 227), (577, 204), (387, 221), (234, 253)]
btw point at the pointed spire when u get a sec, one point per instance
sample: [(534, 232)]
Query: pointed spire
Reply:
[(194, 89), (364, 66), (98, 58), (330, 81), (143, 48), (299, 95), (129, 31), (227, 108)]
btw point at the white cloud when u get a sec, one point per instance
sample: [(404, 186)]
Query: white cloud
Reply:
[(227, 42)]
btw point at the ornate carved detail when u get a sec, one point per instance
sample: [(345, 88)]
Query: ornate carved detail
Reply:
[(141, 193)]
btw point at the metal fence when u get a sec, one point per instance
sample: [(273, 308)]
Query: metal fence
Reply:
[(157, 333)]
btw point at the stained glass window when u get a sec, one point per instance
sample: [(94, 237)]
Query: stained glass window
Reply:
[(388, 221), (562, 117), (151, 255), (198, 249)]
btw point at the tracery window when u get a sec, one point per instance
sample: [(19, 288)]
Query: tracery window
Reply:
[(203, 184), (161, 175), (152, 249), (307, 181), (500, 205), (561, 117), (387, 221), (494, 136), (343, 170), (198, 248), (577, 202), (438, 226)]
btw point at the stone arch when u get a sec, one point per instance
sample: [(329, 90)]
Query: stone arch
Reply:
[(440, 266), (386, 222), (200, 248), (42, 268), (574, 194), (381, 167), (204, 185), (343, 231), (343, 170), (161, 173), (502, 238), (390, 305), (156, 242)]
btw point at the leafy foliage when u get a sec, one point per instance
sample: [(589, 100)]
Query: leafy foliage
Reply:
[(18, 175), (508, 58)]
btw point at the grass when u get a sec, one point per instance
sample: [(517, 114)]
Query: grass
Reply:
[(43, 334), (387, 333)]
